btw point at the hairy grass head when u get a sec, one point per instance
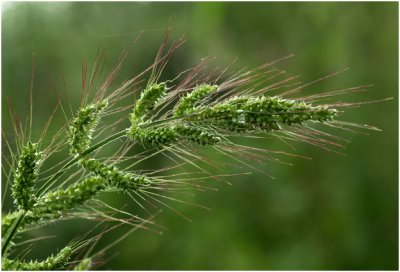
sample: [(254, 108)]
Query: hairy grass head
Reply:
[(173, 120)]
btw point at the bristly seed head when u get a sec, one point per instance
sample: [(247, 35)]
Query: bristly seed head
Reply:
[(243, 114), (58, 262), (83, 125), (73, 196), (53, 204), (147, 101), (187, 104), (172, 134), (201, 123), (26, 174), (115, 177)]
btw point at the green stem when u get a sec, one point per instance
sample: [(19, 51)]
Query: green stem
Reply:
[(12, 231)]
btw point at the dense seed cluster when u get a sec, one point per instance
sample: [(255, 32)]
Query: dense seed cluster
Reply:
[(81, 133), (196, 135), (172, 134), (83, 125), (25, 176), (147, 101), (237, 114), (115, 177), (73, 196), (263, 113), (188, 103), (58, 262)]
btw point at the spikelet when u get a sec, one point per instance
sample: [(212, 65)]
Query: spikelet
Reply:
[(115, 177), (58, 262), (173, 134), (25, 177), (83, 125), (147, 101), (196, 135), (65, 199), (188, 103)]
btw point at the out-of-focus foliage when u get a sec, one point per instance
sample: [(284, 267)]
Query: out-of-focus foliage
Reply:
[(331, 212)]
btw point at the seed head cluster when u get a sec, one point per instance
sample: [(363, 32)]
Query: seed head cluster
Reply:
[(196, 118), (201, 124)]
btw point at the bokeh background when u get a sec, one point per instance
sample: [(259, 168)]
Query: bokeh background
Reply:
[(331, 212)]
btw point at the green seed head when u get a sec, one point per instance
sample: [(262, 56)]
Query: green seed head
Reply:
[(25, 177), (259, 113), (147, 101), (237, 114), (115, 177), (73, 196), (58, 262), (53, 204), (197, 135), (187, 103), (172, 134), (83, 125)]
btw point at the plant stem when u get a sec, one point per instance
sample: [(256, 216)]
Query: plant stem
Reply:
[(12, 231)]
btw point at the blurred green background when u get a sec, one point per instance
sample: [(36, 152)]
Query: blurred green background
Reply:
[(331, 212)]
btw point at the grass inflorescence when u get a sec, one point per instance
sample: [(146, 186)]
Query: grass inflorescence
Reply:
[(25, 176), (57, 262), (171, 119)]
